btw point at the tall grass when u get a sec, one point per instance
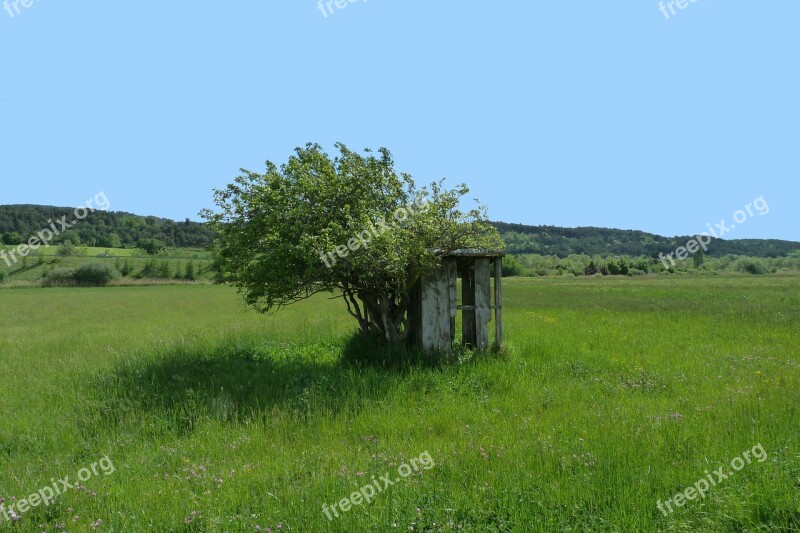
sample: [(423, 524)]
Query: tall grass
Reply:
[(611, 395)]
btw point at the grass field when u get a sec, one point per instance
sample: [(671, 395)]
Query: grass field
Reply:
[(30, 270), (613, 394)]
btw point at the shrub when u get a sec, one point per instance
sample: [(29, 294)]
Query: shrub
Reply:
[(2, 276), (59, 277), (189, 275), (511, 267), (95, 274), (67, 248), (151, 246), (90, 275), (751, 265)]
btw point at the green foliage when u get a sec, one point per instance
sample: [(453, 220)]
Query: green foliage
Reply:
[(541, 265), (70, 236), (59, 277), (511, 267), (95, 274), (189, 274), (12, 238), (278, 232), (87, 275), (164, 271), (552, 240), (751, 265), (106, 229), (151, 246), (126, 268), (698, 258), (67, 248), (112, 240), (3, 276)]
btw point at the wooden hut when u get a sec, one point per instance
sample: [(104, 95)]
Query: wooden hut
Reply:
[(434, 307)]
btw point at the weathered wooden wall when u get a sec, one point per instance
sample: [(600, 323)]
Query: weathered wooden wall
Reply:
[(434, 306)]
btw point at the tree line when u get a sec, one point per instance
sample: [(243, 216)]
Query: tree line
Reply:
[(105, 229)]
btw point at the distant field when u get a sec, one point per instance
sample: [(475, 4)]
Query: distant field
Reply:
[(614, 393), (34, 267)]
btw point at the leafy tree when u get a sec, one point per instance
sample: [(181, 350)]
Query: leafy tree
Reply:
[(67, 248), (699, 258), (320, 224), (164, 270), (126, 268), (189, 273), (12, 238), (70, 236), (512, 267), (151, 246)]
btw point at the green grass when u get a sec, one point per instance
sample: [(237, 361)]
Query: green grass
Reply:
[(32, 269), (611, 395)]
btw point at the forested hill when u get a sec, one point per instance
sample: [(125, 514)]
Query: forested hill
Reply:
[(112, 229), (115, 229), (552, 240)]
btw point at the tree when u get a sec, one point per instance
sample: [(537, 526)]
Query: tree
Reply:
[(699, 258), (151, 246), (189, 275), (13, 238), (70, 236), (67, 248), (351, 225)]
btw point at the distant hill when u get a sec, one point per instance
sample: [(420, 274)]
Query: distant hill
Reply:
[(116, 229), (561, 242), (111, 229)]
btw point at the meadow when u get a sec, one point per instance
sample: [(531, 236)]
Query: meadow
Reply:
[(611, 394)]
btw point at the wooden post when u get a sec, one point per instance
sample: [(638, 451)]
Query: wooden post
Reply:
[(498, 301), (452, 280), (483, 302), (435, 300), (468, 332)]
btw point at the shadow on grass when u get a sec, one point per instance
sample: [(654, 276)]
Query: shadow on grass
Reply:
[(243, 380)]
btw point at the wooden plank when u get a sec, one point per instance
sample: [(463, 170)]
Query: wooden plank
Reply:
[(498, 301), (452, 278), (435, 311), (483, 301)]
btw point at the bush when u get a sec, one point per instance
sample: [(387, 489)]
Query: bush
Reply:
[(151, 246), (90, 275), (67, 248), (2, 276), (189, 275), (511, 267), (751, 266), (95, 274), (59, 277)]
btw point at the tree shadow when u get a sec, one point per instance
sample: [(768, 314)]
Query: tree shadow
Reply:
[(240, 380), (361, 351)]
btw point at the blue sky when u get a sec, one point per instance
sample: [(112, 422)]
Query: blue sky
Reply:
[(565, 113)]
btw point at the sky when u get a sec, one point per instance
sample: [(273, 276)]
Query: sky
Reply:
[(610, 114)]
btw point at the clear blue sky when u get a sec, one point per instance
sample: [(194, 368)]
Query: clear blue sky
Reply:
[(566, 113)]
